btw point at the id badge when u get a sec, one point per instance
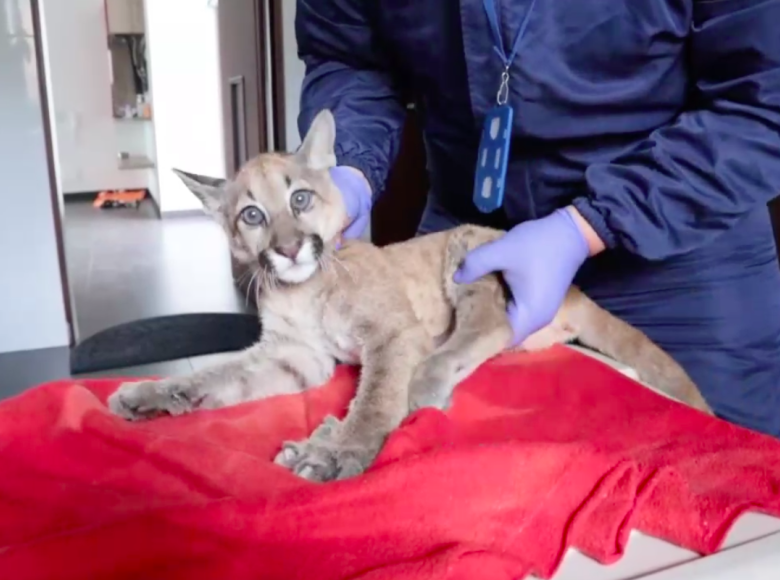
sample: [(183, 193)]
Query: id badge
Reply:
[(489, 179)]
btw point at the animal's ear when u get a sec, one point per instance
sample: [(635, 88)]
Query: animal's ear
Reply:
[(209, 190), (316, 151)]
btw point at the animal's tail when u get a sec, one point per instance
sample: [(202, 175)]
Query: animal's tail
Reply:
[(600, 330)]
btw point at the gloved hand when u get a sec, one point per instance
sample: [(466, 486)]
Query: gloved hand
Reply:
[(356, 193), (538, 260)]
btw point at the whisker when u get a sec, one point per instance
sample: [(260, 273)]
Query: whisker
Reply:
[(337, 261), (244, 275), (269, 280), (322, 263), (249, 287), (257, 294)]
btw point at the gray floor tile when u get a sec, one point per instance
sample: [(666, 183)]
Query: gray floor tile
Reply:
[(21, 370), (164, 369), (125, 264), (209, 360)]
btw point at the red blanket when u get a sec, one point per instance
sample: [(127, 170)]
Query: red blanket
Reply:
[(539, 452)]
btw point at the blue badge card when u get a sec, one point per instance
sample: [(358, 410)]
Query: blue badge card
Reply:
[(493, 156)]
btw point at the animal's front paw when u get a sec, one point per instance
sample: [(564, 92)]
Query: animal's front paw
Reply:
[(325, 456), (147, 399)]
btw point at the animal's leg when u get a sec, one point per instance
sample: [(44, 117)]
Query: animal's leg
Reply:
[(337, 450), (261, 371), (481, 332), (557, 332)]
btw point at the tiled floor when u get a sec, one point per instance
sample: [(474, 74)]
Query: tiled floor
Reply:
[(124, 265), (21, 370)]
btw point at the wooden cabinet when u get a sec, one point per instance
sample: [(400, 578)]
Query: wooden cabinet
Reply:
[(125, 16)]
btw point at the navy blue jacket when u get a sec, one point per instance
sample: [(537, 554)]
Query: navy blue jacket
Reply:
[(658, 119)]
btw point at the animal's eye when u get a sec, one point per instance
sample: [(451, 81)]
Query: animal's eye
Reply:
[(252, 216), (300, 200)]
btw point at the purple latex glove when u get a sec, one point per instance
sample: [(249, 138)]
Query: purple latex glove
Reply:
[(538, 260), (357, 199)]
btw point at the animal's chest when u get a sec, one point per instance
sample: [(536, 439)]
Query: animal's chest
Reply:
[(319, 325), (338, 336), (344, 348)]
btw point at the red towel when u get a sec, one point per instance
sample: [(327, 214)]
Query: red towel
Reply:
[(539, 452)]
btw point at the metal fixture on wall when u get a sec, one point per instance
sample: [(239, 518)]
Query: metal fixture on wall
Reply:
[(238, 122), (268, 81)]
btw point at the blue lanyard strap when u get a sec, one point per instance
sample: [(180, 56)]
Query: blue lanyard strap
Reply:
[(492, 15)]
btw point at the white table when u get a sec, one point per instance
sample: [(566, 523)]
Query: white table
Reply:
[(751, 550)]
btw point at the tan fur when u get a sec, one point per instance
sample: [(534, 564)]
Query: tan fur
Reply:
[(396, 310)]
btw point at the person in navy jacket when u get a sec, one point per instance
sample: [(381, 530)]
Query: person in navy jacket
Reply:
[(645, 145)]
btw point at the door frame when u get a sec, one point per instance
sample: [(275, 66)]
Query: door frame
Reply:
[(51, 168), (276, 31)]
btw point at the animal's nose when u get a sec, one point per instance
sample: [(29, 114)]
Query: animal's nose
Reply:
[(289, 249)]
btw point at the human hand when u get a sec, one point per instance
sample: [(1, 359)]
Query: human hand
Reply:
[(356, 193), (538, 260)]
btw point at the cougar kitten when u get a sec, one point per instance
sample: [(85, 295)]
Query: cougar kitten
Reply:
[(395, 310)]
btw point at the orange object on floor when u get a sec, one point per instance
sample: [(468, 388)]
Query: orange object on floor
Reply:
[(123, 197), (539, 452)]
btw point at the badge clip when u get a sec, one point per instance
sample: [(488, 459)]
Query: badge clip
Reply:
[(493, 152)]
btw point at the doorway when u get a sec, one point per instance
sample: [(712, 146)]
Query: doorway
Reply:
[(242, 72), (116, 127), (252, 78)]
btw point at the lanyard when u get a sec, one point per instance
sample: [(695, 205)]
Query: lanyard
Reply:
[(492, 16)]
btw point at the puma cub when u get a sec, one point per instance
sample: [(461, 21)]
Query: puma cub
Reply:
[(396, 310)]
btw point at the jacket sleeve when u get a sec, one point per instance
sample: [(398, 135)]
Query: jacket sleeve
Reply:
[(695, 178), (347, 73)]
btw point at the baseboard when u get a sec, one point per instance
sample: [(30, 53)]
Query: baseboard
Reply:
[(183, 213), (80, 196), (91, 195), (155, 205), (84, 196)]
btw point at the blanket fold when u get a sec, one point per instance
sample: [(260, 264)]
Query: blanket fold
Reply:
[(539, 453)]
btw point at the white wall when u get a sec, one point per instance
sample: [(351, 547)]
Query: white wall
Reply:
[(182, 39), (294, 71), (88, 137), (32, 312)]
